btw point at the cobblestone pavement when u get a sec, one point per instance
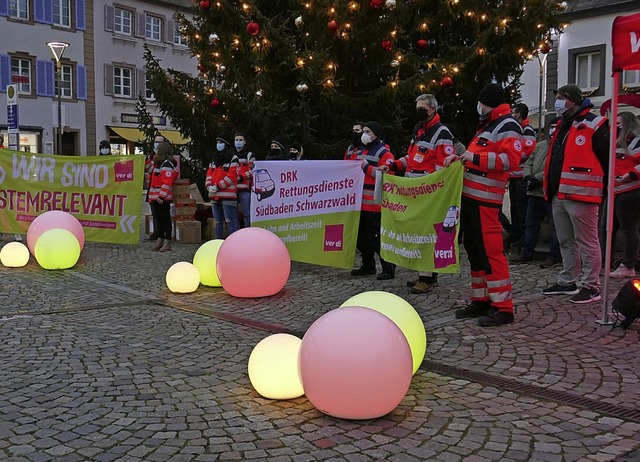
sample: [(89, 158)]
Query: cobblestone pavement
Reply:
[(103, 363)]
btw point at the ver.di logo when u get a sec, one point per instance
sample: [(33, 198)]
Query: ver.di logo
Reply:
[(263, 184)]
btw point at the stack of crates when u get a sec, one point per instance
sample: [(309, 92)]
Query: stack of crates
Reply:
[(184, 213)]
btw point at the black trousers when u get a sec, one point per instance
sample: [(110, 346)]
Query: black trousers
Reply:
[(162, 214), (368, 243)]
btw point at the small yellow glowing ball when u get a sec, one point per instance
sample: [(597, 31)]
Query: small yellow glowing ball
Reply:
[(14, 255), (57, 249), (274, 369), (183, 278), (205, 261), (402, 314)]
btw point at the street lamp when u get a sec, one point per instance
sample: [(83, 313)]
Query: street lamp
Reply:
[(57, 48), (543, 49)]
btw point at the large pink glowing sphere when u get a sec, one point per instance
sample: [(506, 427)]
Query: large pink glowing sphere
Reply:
[(253, 262), (54, 219), (355, 363)]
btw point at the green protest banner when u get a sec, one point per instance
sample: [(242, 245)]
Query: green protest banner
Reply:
[(103, 192), (420, 220)]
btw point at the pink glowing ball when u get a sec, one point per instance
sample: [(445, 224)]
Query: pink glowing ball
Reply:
[(355, 363), (253, 262), (55, 219)]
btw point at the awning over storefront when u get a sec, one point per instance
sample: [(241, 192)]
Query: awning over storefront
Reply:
[(135, 135)]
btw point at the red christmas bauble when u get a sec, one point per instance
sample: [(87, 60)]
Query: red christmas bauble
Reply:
[(333, 26), (201, 68), (446, 82), (205, 5), (545, 47), (376, 3), (215, 103), (253, 28), (387, 45), (422, 43)]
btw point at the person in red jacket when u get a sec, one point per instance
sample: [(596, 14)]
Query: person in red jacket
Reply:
[(627, 195), (221, 181), (161, 194), (493, 152), (353, 151), (431, 144), (245, 174), (373, 154), (574, 182)]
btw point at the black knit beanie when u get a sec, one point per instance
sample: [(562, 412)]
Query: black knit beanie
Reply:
[(492, 95), (374, 127)]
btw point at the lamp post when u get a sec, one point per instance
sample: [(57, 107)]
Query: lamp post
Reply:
[(57, 48), (543, 49)]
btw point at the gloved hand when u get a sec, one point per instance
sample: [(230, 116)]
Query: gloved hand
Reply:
[(213, 189), (240, 178), (532, 183)]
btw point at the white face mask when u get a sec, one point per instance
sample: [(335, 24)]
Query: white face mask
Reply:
[(365, 138), (480, 108), (552, 131), (104, 151), (155, 146), (239, 144), (560, 106), (220, 146)]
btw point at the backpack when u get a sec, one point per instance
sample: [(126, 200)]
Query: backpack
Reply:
[(626, 305)]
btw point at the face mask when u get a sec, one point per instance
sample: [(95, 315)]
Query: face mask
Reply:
[(552, 130), (365, 138), (422, 113), (293, 154), (239, 144), (560, 106), (356, 137), (275, 151), (480, 108), (155, 146), (220, 146), (104, 151)]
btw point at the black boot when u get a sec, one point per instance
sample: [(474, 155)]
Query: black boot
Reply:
[(474, 309), (363, 271), (388, 271)]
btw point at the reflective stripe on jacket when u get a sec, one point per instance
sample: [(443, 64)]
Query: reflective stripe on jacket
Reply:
[(162, 178), (528, 145), (628, 161)]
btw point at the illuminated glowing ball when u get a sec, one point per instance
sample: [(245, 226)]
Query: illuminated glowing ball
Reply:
[(355, 363), (402, 313), (273, 367), (51, 220), (14, 255), (183, 278), (57, 249), (205, 260), (253, 262)]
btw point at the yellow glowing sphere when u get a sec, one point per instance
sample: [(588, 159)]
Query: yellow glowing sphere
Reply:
[(14, 255), (205, 260), (57, 249), (183, 278), (402, 314), (274, 369)]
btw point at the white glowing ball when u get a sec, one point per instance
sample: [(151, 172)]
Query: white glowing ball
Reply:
[(183, 278), (273, 367), (14, 255)]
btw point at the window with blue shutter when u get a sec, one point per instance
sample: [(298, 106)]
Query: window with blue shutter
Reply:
[(43, 11), (82, 82), (45, 78), (4, 7), (80, 15), (5, 72)]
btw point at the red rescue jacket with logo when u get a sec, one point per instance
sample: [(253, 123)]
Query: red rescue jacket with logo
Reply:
[(375, 153), (246, 170), (582, 175), (431, 144), (528, 146), (225, 178), (162, 178), (497, 149)]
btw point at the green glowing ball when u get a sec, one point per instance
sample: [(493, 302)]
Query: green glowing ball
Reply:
[(57, 249)]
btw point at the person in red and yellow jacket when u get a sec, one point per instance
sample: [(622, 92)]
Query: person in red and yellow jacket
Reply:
[(493, 152), (517, 185), (431, 144), (161, 194), (374, 153), (627, 195), (574, 181), (222, 177)]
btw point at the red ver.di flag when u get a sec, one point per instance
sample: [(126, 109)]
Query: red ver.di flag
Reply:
[(626, 43)]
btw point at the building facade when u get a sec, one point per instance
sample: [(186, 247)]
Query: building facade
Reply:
[(101, 70)]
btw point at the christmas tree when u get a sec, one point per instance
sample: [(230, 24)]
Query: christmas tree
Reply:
[(308, 69)]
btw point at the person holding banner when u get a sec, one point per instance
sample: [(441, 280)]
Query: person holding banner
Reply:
[(574, 182), (431, 144), (222, 177), (245, 174), (355, 147), (374, 153), (627, 195), (161, 194), (493, 152)]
